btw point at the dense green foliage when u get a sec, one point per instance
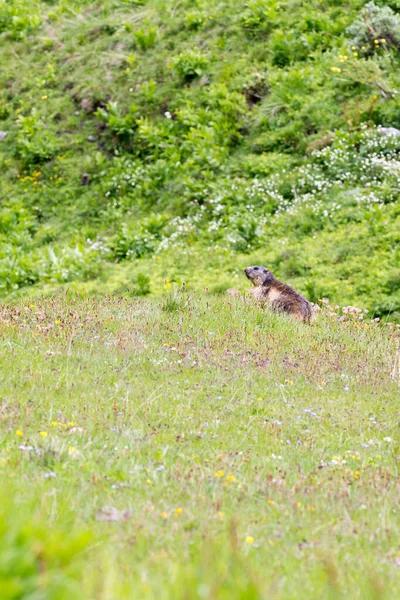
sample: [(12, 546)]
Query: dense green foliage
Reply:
[(195, 447), (150, 141)]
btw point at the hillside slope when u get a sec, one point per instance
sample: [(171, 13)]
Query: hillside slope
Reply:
[(157, 141)]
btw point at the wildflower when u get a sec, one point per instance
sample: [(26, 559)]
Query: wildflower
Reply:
[(221, 515), (353, 48), (164, 515), (298, 504), (43, 434), (178, 511), (44, 97), (356, 474), (72, 450), (355, 54), (383, 41), (336, 69), (58, 322), (363, 48), (376, 42), (230, 478), (250, 539), (219, 473), (271, 502), (149, 481), (19, 433)]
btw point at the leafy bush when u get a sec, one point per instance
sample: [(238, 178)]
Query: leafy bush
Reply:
[(129, 244), (259, 16), (35, 143), (19, 16), (190, 64), (375, 27), (122, 125), (145, 37)]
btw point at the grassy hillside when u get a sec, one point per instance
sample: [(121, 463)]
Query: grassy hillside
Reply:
[(158, 141), (196, 447)]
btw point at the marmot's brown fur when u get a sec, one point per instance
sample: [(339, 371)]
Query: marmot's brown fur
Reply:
[(279, 296)]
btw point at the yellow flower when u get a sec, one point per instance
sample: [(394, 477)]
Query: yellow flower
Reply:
[(356, 474), (250, 539), (383, 41), (44, 97), (299, 504), (363, 48), (43, 434), (149, 482), (71, 450), (54, 423), (336, 69), (230, 478), (355, 54), (31, 306), (164, 515), (19, 432), (376, 42), (58, 322), (219, 473), (178, 511)]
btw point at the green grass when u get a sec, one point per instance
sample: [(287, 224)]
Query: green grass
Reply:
[(241, 454)]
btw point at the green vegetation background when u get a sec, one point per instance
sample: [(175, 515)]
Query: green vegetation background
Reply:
[(159, 141)]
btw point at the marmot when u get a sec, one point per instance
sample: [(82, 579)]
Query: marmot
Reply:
[(279, 296)]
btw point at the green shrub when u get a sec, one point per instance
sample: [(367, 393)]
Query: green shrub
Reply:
[(35, 142), (128, 243), (122, 125), (19, 16), (146, 37), (195, 19), (190, 64), (259, 16), (376, 27)]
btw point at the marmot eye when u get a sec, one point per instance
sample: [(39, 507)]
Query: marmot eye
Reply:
[(256, 268)]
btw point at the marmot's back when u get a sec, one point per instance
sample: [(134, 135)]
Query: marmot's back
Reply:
[(279, 296)]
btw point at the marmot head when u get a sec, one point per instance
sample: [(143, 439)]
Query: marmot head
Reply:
[(259, 276)]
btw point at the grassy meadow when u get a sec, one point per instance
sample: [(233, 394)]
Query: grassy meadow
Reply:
[(196, 446), (161, 439)]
